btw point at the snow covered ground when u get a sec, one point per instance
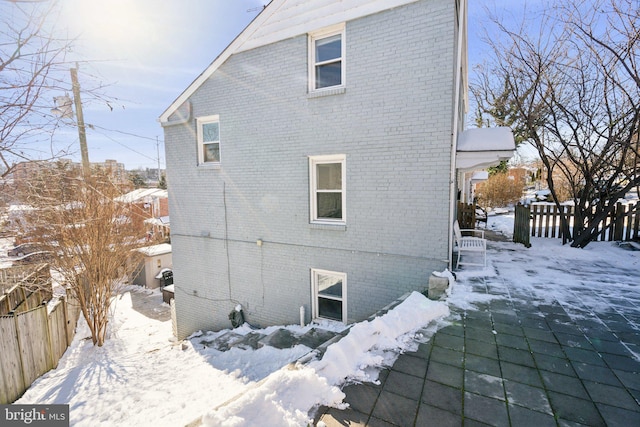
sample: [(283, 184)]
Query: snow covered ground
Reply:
[(141, 377)]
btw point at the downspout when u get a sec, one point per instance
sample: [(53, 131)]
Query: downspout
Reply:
[(462, 23)]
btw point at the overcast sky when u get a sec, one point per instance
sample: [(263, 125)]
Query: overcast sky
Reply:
[(149, 51)]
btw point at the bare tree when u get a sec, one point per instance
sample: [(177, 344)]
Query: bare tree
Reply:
[(91, 236), (32, 59), (571, 88)]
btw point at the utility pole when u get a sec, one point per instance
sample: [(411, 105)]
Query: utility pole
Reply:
[(158, 152), (82, 133)]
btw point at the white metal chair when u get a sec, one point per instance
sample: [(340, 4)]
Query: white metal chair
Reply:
[(475, 243)]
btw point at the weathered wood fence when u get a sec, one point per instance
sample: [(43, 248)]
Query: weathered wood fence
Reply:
[(623, 224), (33, 336)]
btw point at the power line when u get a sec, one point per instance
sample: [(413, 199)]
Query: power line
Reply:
[(126, 133), (125, 146)]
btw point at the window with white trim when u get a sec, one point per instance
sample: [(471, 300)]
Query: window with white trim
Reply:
[(329, 295), (208, 134), (327, 178), (326, 62)]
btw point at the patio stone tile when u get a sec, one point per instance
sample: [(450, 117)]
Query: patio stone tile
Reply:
[(544, 347), (618, 417), (403, 384), (442, 396), (570, 340), (480, 334), (481, 364), (483, 384), (447, 356), (574, 409), (395, 409), (448, 341), (611, 347), (591, 357), (411, 365), (534, 398), (599, 374), (512, 341), (631, 337), (567, 423), (534, 323), (361, 397), (507, 322), (520, 373), (621, 363), (629, 379), (564, 326), (523, 417), (554, 364), (456, 330), (513, 329), (445, 374), (468, 422), (539, 334), (513, 355), (423, 351), (485, 409), (600, 333), (479, 348), (430, 415), (564, 384), (611, 395)]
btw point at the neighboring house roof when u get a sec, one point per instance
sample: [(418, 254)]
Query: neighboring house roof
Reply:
[(142, 194), (161, 221), (280, 20), (161, 249), (479, 148)]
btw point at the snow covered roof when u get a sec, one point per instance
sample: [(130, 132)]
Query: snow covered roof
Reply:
[(480, 176), (281, 20), (141, 194), (155, 250), (479, 148), (162, 221)]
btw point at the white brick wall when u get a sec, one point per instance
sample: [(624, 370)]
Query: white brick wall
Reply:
[(393, 123)]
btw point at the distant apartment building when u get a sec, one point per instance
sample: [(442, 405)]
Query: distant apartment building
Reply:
[(25, 172)]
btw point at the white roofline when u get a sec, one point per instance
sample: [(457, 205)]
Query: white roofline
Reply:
[(333, 12), (268, 10)]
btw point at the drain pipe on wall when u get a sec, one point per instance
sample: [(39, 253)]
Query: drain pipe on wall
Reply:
[(302, 323), (462, 24)]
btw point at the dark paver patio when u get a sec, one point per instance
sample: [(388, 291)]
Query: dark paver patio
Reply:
[(513, 361)]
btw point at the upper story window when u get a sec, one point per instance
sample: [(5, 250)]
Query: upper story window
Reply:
[(327, 177), (208, 139), (326, 62)]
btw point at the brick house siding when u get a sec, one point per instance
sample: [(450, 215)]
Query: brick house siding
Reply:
[(393, 123)]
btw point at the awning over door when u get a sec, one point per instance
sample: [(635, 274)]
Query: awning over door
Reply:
[(480, 148)]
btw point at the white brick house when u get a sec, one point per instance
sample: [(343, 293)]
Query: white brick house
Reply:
[(313, 163)]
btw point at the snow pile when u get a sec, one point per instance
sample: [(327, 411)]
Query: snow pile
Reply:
[(286, 396)]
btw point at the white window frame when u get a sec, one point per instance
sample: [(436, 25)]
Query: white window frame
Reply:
[(313, 190), (323, 34), (315, 273), (200, 122)]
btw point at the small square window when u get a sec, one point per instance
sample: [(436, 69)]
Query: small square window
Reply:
[(329, 295), (208, 139), (327, 189), (326, 62)]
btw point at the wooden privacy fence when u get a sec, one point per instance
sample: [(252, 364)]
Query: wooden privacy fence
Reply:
[(623, 224), (32, 343), (28, 290)]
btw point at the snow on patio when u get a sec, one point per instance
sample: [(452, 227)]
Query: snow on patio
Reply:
[(141, 377)]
